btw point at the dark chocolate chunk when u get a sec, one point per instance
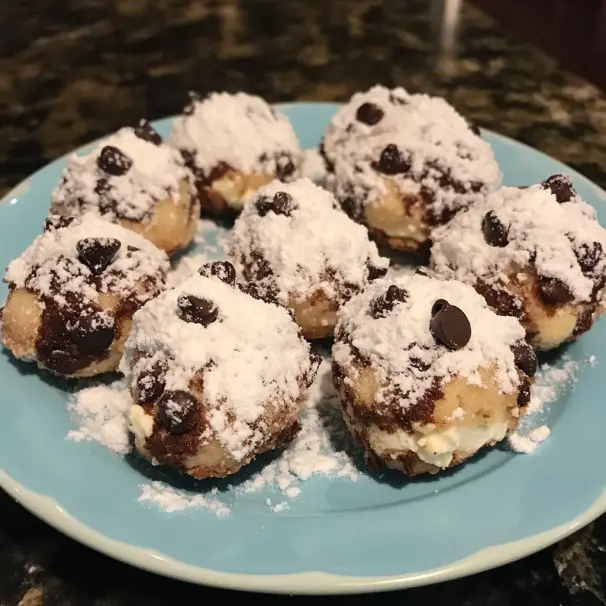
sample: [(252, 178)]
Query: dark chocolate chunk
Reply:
[(561, 187), (369, 113), (588, 256), (554, 291), (97, 253), (259, 292), (438, 306), (282, 203), (285, 167), (525, 358), (264, 205), (223, 270), (495, 233), (382, 305), (392, 161), (176, 410), (93, 333), (54, 222), (62, 362), (375, 273), (113, 161), (151, 383), (524, 394), (197, 310), (450, 327), (144, 130)]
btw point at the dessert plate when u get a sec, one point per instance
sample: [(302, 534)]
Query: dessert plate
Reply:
[(338, 536)]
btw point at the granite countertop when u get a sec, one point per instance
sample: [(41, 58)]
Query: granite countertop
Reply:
[(76, 70)]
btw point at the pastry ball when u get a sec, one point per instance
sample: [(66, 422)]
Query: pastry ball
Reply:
[(217, 377), (73, 292), (292, 243), (404, 163), (234, 144), (428, 374), (537, 253), (133, 179)]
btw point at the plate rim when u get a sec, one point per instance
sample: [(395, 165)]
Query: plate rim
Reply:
[(50, 512)]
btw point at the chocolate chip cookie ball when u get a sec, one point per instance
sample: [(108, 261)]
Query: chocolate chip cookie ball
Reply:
[(217, 377), (537, 253), (294, 245), (234, 144), (403, 164), (132, 178), (73, 292), (428, 374)]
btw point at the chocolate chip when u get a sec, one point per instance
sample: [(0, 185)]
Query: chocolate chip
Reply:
[(392, 162), (284, 166), (92, 333), (525, 358), (588, 256), (422, 271), (113, 161), (223, 270), (144, 130), (197, 310), (369, 113), (132, 249), (62, 362), (281, 204), (561, 187), (450, 327), (554, 291), (524, 394), (176, 410), (260, 293), (54, 222), (97, 253), (397, 100), (151, 383), (375, 273), (495, 233), (382, 305), (438, 306)]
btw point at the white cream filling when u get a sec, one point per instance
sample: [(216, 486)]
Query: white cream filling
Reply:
[(436, 448), (141, 424)]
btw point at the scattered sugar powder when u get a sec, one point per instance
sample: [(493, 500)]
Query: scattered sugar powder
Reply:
[(241, 130), (313, 247), (433, 138), (401, 342), (101, 413), (557, 239), (156, 172), (550, 381), (171, 499), (320, 448)]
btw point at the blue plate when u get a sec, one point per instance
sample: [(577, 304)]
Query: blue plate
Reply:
[(338, 536)]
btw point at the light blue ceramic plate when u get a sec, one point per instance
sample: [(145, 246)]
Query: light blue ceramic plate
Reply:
[(338, 536)]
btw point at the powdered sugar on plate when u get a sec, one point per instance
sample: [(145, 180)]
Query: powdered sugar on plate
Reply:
[(550, 382), (101, 414), (170, 499)]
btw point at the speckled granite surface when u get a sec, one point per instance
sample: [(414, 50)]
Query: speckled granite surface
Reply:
[(75, 70)]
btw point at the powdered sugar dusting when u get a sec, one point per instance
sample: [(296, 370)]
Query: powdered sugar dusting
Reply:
[(316, 248), (401, 342), (433, 137), (247, 365), (241, 130), (51, 267), (539, 230), (156, 173)]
